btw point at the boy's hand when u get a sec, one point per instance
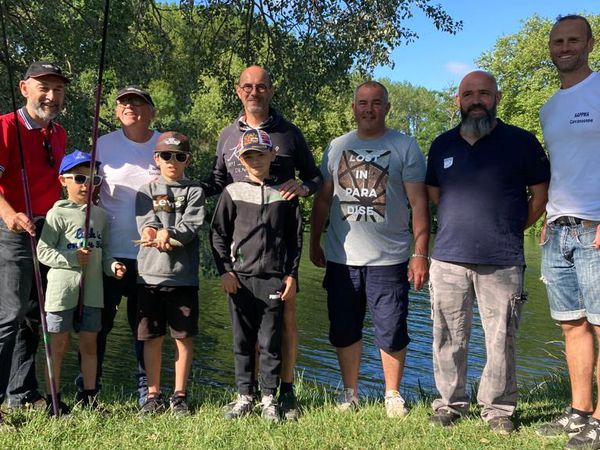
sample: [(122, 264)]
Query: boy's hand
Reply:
[(120, 270), (289, 290), (162, 240), (83, 256), (147, 237), (230, 282)]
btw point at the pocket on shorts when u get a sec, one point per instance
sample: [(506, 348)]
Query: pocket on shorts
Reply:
[(587, 234)]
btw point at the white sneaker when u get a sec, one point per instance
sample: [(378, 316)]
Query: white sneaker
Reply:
[(347, 400), (242, 406), (394, 404), (269, 409)]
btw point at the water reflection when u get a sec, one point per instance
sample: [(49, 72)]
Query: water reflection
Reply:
[(539, 347)]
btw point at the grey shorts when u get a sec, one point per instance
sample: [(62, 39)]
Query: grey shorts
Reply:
[(62, 321)]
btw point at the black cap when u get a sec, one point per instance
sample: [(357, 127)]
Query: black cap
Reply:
[(135, 90), (172, 141), (43, 68)]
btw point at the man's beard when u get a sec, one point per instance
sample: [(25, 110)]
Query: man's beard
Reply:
[(478, 126), (46, 113)]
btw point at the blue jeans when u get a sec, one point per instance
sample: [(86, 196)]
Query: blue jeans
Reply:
[(571, 271), (16, 280)]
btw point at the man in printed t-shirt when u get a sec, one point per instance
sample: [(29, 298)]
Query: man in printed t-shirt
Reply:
[(371, 175)]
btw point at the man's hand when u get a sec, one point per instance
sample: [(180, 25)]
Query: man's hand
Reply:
[(83, 256), (289, 290), (230, 282), (291, 189), (120, 270), (317, 256), (418, 271), (19, 223)]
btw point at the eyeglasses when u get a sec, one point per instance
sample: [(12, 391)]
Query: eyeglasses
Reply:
[(166, 156), (133, 100), (83, 179), (260, 88)]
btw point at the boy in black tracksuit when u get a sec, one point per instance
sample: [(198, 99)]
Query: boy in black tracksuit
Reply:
[(256, 239)]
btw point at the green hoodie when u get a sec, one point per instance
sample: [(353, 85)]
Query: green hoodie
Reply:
[(61, 236)]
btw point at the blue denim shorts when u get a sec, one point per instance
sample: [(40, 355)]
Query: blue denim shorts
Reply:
[(571, 271), (62, 321), (383, 288)]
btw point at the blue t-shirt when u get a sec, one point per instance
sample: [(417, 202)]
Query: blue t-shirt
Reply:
[(483, 198)]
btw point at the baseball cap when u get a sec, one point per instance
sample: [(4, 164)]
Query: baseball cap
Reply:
[(172, 141), (75, 159), (253, 139), (43, 68), (135, 90)]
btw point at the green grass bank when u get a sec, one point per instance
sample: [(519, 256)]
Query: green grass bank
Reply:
[(321, 426)]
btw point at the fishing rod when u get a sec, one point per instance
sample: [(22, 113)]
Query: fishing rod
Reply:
[(90, 186), (29, 212)]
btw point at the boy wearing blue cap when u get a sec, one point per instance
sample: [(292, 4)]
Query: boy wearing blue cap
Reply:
[(61, 247)]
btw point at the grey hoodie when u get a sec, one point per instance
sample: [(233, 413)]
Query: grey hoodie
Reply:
[(179, 207)]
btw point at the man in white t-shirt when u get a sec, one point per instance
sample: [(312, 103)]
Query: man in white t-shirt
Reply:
[(371, 176), (127, 163), (571, 240)]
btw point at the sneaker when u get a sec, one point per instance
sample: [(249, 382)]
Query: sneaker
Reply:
[(155, 404), (269, 409), (394, 404), (179, 405), (142, 382), (501, 425), (443, 417), (33, 400), (87, 399), (63, 408), (587, 438), (567, 423), (242, 406), (289, 406), (347, 400)]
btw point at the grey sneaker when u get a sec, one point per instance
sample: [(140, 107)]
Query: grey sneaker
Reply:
[(269, 409), (501, 425), (347, 400), (443, 417), (394, 404), (567, 423), (155, 404), (178, 404), (239, 408), (587, 438), (290, 410)]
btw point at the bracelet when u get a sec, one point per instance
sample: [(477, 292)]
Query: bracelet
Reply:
[(419, 255)]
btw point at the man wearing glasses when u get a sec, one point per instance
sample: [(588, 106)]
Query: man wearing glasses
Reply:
[(43, 143), (127, 164), (255, 91)]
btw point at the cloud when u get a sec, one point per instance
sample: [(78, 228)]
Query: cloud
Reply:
[(458, 68)]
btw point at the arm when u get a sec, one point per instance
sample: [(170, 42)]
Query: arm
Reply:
[(220, 239), (294, 249), (308, 172), (433, 193), (217, 180), (318, 219), (47, 247), (188, 226), (15, 221), (418, 266), (538, 197)]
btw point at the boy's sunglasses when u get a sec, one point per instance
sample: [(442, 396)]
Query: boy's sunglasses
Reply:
[(166, 156), (83, 179)]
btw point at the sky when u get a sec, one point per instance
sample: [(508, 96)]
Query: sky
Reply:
[(438, 60)]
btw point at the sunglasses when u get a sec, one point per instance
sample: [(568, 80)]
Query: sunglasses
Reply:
[(166, 156), (260, 88), (133, 100), (83, 179)]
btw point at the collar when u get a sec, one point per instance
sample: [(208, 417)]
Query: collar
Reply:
[(29, 123), (267, 123)]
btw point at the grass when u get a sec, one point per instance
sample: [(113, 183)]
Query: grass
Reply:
[(320, 427)]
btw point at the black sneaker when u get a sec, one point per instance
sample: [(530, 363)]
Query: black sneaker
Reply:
[(33, 400), (63, 409), (587, 438), (87, 399), (501, 425), (443, 418), (567, 423), (179, 405), (289, 406), (155, 404)]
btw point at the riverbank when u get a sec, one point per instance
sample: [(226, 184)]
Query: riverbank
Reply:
[(321, 427)]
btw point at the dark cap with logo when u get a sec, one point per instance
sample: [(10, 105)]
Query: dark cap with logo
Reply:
[(45, 68), (172, 141), (136, 90), (253, 139)]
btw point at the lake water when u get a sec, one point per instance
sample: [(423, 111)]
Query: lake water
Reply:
[(539, 344)]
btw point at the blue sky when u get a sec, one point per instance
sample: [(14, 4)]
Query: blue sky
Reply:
[(437, 60)]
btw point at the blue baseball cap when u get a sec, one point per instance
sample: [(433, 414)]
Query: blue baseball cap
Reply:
[(75, 159)]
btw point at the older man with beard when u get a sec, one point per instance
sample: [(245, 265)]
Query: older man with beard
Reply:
[(489, 181), (43, 142)]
